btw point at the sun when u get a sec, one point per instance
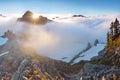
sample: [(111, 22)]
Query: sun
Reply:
[(35, 16)]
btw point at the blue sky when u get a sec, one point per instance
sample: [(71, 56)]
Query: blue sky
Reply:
[(61, 6)]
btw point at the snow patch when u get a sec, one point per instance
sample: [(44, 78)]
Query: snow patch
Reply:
[(3, 40), (90, 53), (4, 53)]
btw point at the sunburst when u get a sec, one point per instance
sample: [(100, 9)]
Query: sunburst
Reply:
[(35, 16)]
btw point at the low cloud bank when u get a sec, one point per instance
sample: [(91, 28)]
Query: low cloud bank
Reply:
[(63, 38)]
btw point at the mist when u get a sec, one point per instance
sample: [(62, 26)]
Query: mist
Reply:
[(64, 37)]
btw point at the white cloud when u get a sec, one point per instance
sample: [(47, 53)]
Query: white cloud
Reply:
[(64, 37)]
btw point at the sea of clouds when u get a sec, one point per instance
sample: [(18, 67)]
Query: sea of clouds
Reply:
[(65, 36)]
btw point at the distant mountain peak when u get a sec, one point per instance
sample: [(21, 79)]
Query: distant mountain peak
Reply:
[(28, 17), (2, 15), (78, 16)]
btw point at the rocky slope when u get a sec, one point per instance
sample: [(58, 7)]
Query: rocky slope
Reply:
[(17, 55), (111, 53)]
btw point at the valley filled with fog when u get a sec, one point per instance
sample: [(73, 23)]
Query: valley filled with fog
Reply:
[(65, 36)]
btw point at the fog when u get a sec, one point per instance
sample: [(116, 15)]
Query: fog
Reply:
[(64, 37)]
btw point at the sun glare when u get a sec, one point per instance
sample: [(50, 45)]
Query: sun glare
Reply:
[(35, 16)]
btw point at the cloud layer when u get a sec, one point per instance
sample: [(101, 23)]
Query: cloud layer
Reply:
[(65, 37)]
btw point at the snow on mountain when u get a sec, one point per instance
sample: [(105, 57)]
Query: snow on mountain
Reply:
[(67, 55), (3, 40), (4, 53), (90, 53)]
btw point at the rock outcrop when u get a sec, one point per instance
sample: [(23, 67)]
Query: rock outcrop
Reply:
[(78, 16), (28, 17)]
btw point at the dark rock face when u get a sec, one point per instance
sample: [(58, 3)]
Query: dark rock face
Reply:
[(96, 42), (111, 57), (78, 16), (28, 17), (2, 15), (91, 68)]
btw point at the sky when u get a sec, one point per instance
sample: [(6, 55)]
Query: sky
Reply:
[(85, 7)]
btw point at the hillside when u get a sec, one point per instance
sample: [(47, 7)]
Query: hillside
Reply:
[(111, 53), (113, 45)]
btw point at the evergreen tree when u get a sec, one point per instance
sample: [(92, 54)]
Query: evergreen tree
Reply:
[(116, 30), (111, 30), (108, 38), (113, 33)]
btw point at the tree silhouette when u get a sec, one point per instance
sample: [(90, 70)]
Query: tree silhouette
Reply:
[(108, 40), (113, 33), (116, 30)]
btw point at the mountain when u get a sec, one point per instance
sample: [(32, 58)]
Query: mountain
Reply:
[(23, 61), (78, 16), (19, 60), (88, 55), (68, 16), (106, 64), (28, 17), (17, 56)]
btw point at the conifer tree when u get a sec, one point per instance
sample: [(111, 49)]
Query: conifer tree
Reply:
[(111, 30), (116, 30), (108, 38)]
